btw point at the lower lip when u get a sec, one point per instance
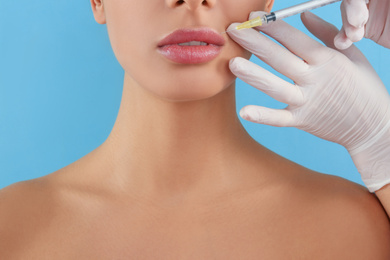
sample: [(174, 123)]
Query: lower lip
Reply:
[(190, 54)]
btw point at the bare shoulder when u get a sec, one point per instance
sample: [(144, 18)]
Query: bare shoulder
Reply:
[(25, 208), (18, 198), (24, 196), (355, 223)]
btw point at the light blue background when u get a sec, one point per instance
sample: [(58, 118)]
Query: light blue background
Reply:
[(61, 85)]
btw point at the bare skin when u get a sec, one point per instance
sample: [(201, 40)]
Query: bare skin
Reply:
[(257, 205), (383, 195), (183, 180)]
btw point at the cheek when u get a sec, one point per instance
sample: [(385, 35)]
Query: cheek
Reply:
[(132, 46), (123, 32)]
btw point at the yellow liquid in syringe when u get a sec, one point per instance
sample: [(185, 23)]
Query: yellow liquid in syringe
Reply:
[(259, 21)]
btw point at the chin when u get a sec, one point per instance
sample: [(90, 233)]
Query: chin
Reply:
[(195, 87), (196, 94)]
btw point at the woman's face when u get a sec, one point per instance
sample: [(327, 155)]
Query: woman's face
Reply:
[(137, 28)]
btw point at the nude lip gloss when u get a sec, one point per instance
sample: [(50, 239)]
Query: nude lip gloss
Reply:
[(191, 46)]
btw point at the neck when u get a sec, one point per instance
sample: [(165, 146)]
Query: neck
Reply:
[(159, 146)]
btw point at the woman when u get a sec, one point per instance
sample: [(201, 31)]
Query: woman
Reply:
[(179, 177)]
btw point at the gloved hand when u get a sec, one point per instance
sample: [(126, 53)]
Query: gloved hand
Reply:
[(372, 22), (337, 96)]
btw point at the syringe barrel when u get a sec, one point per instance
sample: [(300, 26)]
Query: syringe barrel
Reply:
[(300, 8)]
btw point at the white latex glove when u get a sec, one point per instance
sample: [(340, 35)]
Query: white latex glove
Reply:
[(359, 19), (337, 96)]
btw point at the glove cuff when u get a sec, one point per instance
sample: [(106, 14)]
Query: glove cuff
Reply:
[(380, 134), (373, 163)]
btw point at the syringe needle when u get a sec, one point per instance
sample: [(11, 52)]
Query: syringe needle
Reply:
[(227, 31)]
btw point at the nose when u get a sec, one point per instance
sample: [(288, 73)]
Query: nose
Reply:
[(191, 4)]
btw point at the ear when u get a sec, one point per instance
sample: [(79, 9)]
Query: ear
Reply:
[(268, 6), (98, 11)]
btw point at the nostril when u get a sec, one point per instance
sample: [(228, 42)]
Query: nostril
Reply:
[(180, 2)]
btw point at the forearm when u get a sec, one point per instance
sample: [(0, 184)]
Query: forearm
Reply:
[(383, 195)]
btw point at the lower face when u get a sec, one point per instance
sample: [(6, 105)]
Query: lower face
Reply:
[(174, 72)]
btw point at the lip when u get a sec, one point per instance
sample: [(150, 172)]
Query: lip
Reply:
[(169, 46)]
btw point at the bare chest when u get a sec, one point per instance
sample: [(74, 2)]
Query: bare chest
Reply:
[(223, 233)]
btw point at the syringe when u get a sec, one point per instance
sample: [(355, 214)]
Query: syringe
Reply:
[(286, 12)]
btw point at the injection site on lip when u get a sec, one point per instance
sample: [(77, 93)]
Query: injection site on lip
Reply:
[(202, 35)]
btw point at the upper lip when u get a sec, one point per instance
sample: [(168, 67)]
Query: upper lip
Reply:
[(207, 35)]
